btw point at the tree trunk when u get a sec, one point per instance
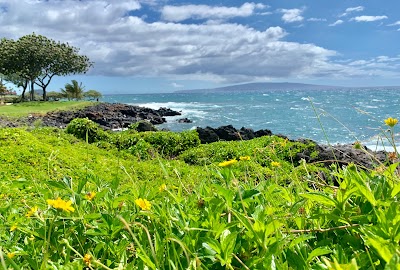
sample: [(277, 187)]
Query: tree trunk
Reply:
[(24, 87), (32, 96), (44, 92)]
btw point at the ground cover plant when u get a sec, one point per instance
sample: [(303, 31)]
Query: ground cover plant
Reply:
[(84, 198)]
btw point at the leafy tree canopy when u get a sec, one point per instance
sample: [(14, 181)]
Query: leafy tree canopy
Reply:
[(73, 90), (37, 59), (92, 94)]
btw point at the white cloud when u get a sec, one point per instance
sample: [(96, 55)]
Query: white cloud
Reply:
[(336, 23), (365, 18), (394, 24), (126, 45), (316, 20), (351, 10), (181, 13), (292, 15)]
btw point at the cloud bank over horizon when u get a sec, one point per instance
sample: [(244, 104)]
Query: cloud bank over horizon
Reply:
[(231, 43)]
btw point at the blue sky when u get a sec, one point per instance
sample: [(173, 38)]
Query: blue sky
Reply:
[(148, 46)]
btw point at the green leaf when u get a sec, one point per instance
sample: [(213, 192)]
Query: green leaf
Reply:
[(394, 263), (319, 198), (362, 185), (396, 190), (56, 184), (299, 239), (226, 193), (318, 252), (212, 245), (228, 242), (380, 246), (246, 194)]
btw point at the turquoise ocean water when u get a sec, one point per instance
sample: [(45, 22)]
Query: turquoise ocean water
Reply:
[(334, 116)]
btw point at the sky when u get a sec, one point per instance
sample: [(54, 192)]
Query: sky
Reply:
[(156, 46)]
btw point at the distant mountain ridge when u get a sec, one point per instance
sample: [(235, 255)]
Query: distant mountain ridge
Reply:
[(264, 86)]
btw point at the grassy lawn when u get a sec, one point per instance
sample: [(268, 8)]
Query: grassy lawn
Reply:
[(40, 107)]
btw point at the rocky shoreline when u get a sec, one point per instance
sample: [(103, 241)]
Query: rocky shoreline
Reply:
[(116, 116), (107, 115)]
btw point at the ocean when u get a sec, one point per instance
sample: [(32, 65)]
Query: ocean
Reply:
[(325, 116)]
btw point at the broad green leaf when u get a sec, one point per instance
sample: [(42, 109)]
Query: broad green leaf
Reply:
[(319, 198), (271, 227), (396, 190), (380, 246), (213, 245), (57, 184), (362, 185), (318, 252), (299, 239)]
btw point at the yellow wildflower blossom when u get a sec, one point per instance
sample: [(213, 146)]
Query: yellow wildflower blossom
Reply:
[(31, 212), (275, 164), (90, 195), (61, 205), (11, 255), (162, 187), (143, 204), (391, 122), (227, 163), (245, 158), (13, 228), (87, 259)]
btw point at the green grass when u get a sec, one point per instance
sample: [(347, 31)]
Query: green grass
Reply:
[(38, 107), (141, 201)]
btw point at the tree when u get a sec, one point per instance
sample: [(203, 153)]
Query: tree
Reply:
[(92, 94), (18, 81), (73, 90), (54, 95), (37, 60)]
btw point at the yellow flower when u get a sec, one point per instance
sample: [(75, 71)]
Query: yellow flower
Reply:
[(391, 122), (275, 164), (90, 195), (227, 163), (87, 259), (162, 187), (11, 255), (32, 211), (245, 158), (13, 228), (143, 204), (61, 204)]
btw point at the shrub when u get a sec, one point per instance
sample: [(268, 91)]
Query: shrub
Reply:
[(166, 143), (86, 129), (143, 150)]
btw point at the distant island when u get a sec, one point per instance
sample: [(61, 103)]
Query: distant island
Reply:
[(263, 86)]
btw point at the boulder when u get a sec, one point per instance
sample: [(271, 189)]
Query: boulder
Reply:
[(184, 120)]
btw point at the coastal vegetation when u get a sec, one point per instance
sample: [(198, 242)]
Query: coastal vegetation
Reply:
[(35, 60), (84, 197)]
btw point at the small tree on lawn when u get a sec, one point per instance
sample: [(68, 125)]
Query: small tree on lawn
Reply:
[(92, 94)]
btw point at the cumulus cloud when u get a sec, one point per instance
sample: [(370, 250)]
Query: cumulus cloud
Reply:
[(292, 15), (181, 13), (122, 43), (351, 10), (365, 18), (336, 23)]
